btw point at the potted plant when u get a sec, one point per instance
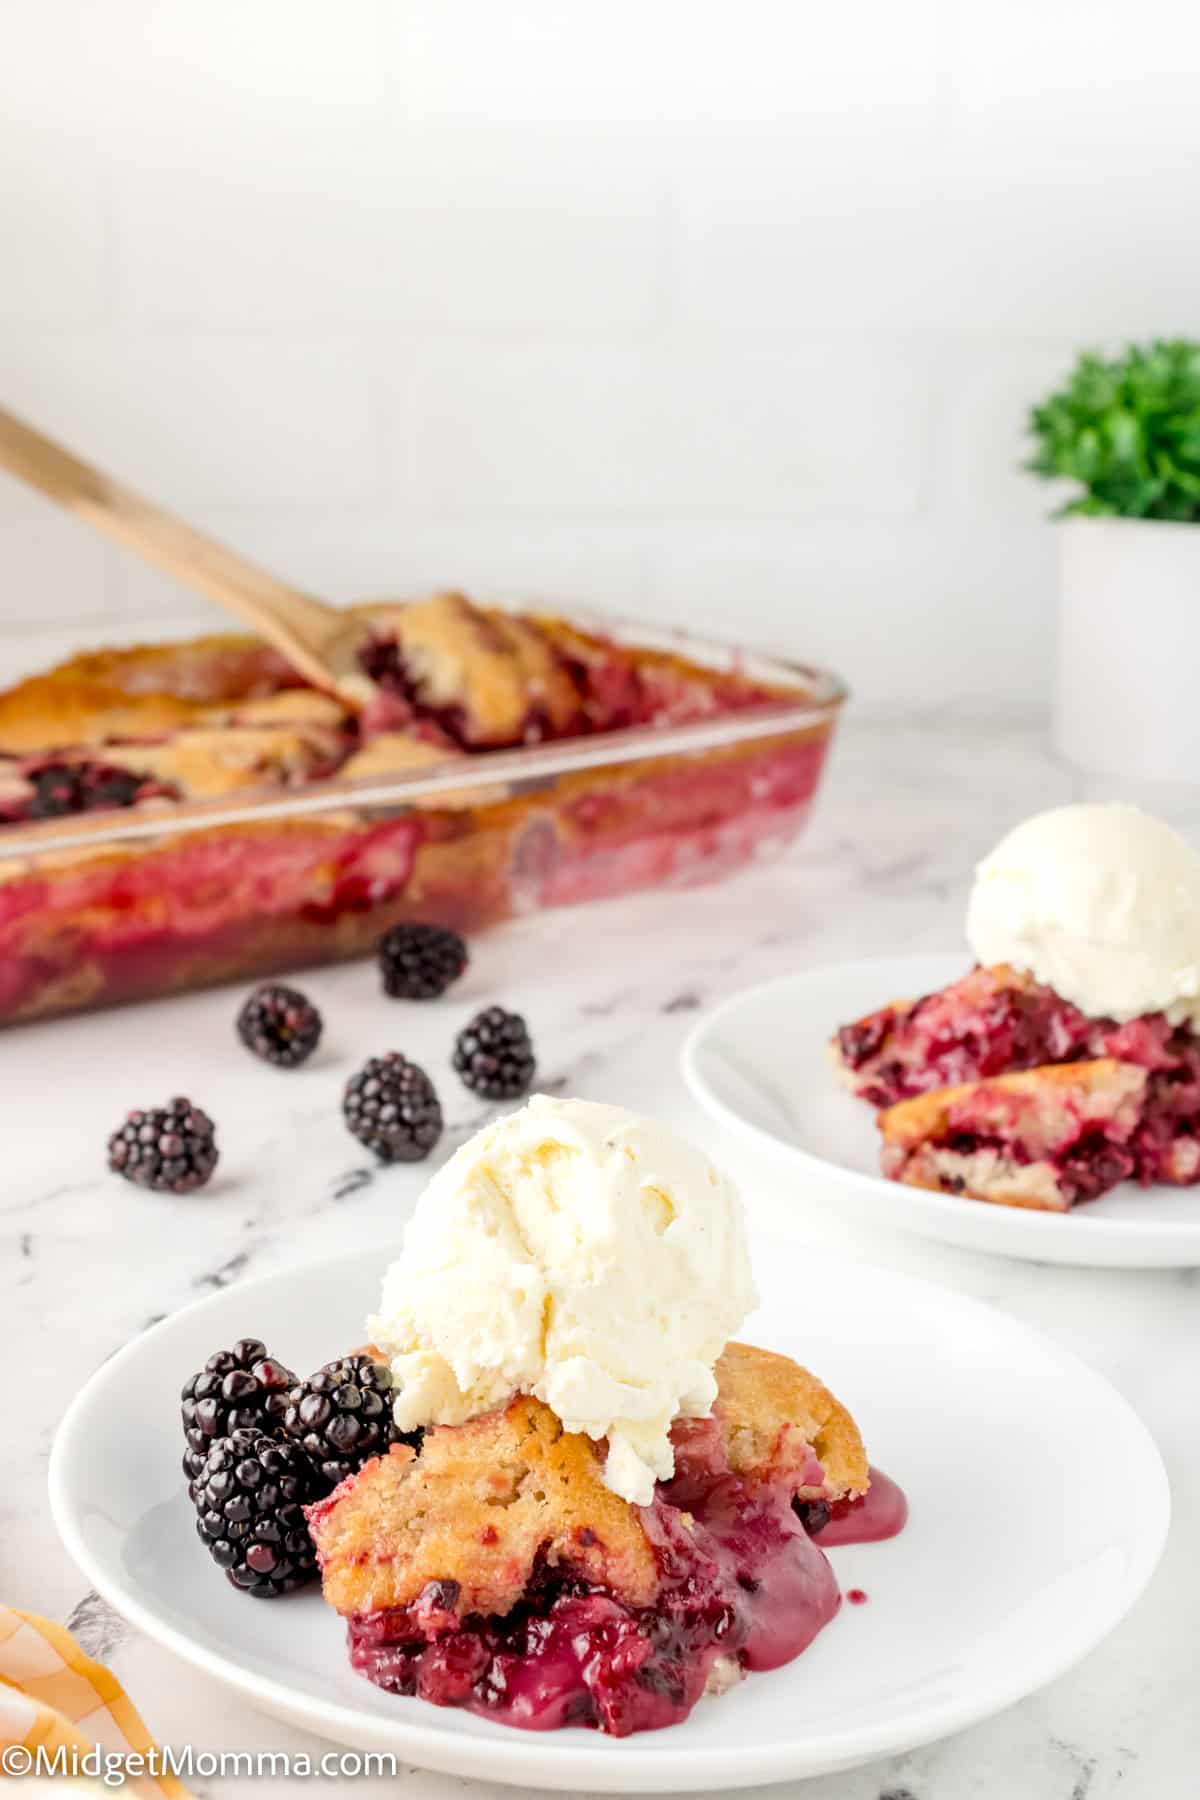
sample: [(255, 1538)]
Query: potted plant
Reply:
[(1127, 432)]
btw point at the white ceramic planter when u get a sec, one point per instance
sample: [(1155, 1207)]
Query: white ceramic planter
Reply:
[(1127, 688)]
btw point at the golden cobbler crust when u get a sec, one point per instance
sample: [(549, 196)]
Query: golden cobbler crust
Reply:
[(773, 1412), (1033, 1097), (476, 1507), (145, 691), (50, 712), (981, 1175), (1037, 1110), (210, 761), (480, 1503), (492, 677), (502, 673), (395, 753)]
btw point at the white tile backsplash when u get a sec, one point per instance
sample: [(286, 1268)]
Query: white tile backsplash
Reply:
[(663, 67), (786, 239), (935, 611), (685, 424), (731, 316), (54, 572), (54, 263)]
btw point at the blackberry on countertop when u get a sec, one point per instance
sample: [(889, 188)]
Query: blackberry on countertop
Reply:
[(494, 1054), (240, 1389), (419, 962), (249, 1497), (392, 1107), (280, 1024), (342, 1416), (172, 1149)]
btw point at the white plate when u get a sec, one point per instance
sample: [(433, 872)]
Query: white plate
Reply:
[(759, 1063), (998, 1583)]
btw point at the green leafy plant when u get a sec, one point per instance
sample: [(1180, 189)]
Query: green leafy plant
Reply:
[(1128, 431)]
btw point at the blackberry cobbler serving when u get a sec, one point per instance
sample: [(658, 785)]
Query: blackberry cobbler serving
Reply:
[(492, 1568), (151, 836), (552, 1491), (1069, 1059)]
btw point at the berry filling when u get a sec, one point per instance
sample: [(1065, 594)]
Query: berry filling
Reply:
[(184, 909), (1150, 1136), (59, 788), (1166, 1144), (988, 1025), (612, 694), (742, 1585), (1088, 1155), (882, 1512), (1087, 1167), (383, 659)]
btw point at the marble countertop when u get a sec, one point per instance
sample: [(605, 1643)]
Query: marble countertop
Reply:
[(87, 1262)]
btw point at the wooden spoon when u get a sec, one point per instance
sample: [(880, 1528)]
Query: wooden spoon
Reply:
[(319, 640)]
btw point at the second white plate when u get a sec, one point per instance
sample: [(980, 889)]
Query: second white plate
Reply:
[(759, 1064)]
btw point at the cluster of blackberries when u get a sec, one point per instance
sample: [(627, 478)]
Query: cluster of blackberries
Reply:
[(262, 1445), (390, 1104)]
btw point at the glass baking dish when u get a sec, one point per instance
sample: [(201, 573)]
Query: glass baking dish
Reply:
[(106, 907)]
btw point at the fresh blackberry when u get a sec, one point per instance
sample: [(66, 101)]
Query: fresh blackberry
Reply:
[(392, 1107), (249, 1497), (342, 1416), (236, 1390), (171, 1149), (419, 962), (280, 1024), (494, 1054)]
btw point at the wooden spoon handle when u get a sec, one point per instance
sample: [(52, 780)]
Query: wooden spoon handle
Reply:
[(286, 616)]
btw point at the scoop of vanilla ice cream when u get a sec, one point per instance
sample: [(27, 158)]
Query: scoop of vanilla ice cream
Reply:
[(578, 1253), (1101, 903)]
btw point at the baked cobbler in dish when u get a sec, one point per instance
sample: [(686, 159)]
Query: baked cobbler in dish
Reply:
[(120, 728), (151, 831)]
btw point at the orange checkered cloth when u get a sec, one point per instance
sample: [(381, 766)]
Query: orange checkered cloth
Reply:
[(53, 1695)]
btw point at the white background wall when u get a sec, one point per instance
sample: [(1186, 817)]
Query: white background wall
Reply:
[(726, 313)]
